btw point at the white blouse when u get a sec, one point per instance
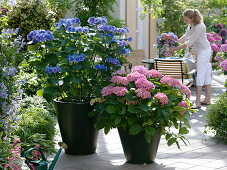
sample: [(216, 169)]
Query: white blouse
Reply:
[(196, 37)]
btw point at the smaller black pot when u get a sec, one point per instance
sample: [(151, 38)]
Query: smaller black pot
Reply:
[(136, 148)]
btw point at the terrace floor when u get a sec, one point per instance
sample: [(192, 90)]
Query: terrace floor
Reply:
[(203, 153)]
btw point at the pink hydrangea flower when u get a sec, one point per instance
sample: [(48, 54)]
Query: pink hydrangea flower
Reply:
[(144, 83), (215, 48), (224, 48), (140, 69), (37, 146), (210, 39), (143, 93), (185, 90), (119, 72), (218, 58), (163, 99), (217, 38), (16, 140), (135, 76), (223, 65), (154, 74), (7, 165), (183, 104), (106, 91), (120, 91), (170, 81), (119, 80), (208, 34)]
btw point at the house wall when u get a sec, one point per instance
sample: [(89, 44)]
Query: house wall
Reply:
[(143, 31)]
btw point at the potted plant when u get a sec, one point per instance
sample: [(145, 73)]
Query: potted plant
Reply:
[(74, 64), (143, 105), (164, 42)]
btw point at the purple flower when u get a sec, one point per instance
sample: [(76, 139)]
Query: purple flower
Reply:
[(114, 61), (76, 57), (51, 69), (219, 26), (101, 67), (223, 32), (223, 65), (3, 94)]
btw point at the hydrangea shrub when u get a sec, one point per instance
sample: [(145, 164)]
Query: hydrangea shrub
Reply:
[(76, 61), (143, 101)]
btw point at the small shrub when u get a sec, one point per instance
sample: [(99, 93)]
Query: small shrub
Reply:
[(217, 118), (30, 15), (38, 102), (35, 120)]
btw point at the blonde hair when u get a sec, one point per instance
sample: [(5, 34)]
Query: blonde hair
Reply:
[(194, 14)]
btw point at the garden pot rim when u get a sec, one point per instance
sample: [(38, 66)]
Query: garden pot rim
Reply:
[(65, 102)]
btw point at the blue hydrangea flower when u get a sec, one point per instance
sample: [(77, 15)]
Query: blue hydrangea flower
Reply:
[(123, 30), (40, 36), (79, 29), (126, 51), (122, 43), (75, 20), (9, 71), (109, 35), (129, 39), (86, 29), (51, 69), (97, 21), (113, 41), (67, 22), (114, 61), (101, 67), (71, 29), (76, 57), (3, 94)]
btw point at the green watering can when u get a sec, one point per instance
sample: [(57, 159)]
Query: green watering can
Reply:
[(43, 163)]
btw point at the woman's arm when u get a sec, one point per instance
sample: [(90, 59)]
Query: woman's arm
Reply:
[(183, 38), (190, 41)]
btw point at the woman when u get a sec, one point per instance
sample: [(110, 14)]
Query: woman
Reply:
[(196, 38)]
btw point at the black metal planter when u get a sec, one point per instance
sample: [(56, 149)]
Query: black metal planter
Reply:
[(136, 149), (77, 129)]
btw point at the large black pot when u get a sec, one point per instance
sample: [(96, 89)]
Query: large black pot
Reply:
[(136, 148), (77, 128)]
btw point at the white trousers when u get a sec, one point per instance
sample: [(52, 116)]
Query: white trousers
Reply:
[(204, 68)]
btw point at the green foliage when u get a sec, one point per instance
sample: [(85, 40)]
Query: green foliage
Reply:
[(35, 120), (92, 8), (217, 118), (171, 17), (60, 7), (30, 15), (37, 102)]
